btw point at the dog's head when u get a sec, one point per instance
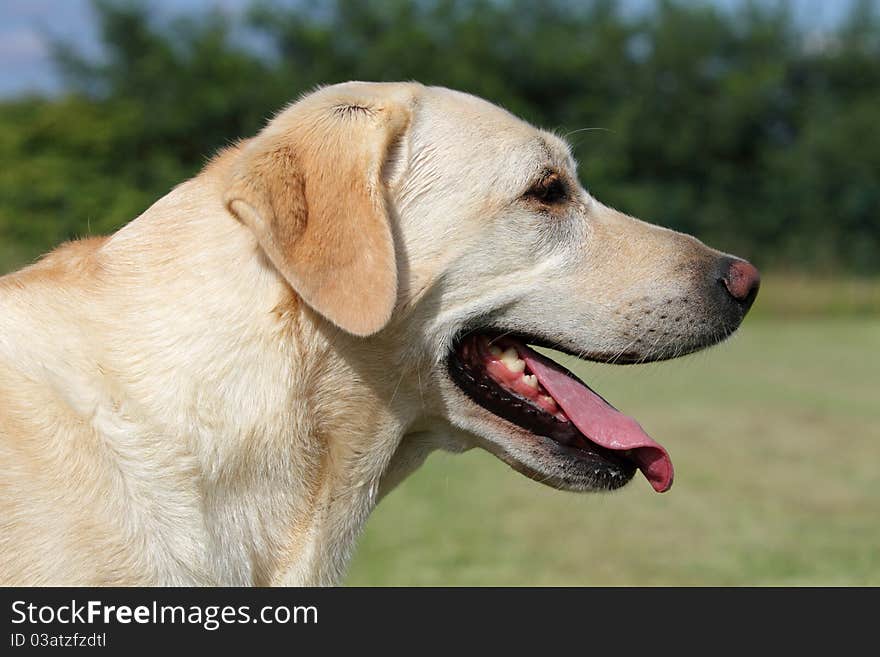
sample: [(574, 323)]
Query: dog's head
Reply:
[(441, 225)]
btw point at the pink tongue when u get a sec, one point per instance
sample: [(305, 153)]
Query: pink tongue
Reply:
[(601, 423)]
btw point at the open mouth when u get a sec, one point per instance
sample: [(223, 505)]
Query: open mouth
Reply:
[(514, 382)]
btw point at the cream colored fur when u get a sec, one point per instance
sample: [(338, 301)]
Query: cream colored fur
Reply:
[(195, 401)]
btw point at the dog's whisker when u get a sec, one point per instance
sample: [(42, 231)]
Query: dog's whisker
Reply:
[(590, 129)]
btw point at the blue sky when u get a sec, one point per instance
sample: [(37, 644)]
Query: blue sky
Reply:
[(26, 27)]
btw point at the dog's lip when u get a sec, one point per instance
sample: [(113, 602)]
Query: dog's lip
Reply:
[(588, 414), (561, 345)]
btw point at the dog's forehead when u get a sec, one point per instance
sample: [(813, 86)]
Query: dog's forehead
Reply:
[(474, 111), (458, 122)]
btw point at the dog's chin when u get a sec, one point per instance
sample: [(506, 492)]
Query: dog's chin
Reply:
[(538, 457)]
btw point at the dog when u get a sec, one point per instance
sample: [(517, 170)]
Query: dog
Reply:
[(220, 392)]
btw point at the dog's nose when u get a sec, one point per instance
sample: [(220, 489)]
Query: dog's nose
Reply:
[(742, 280)]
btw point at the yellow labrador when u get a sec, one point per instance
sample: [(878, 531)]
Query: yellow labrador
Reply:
[(220, 392)]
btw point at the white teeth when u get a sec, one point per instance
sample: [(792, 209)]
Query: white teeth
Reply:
[(495, 350), (512, 361), (531, 380), (551, 403)]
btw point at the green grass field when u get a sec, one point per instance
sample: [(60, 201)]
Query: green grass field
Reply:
[(775, 437)]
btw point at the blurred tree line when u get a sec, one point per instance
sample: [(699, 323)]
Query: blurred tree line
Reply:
[(741, 128)]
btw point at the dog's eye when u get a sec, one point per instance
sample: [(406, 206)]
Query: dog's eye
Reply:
[(550, 190)]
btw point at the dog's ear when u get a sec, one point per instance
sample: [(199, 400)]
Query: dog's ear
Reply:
[(311, 188)]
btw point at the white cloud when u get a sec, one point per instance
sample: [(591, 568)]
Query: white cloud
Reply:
[(22, 44)]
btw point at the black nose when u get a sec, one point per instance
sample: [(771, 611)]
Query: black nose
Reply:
[(741, 279)]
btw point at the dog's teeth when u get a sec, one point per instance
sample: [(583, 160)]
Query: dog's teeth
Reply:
[(512, 360), (549, 401), (496, 351), (531, 380)]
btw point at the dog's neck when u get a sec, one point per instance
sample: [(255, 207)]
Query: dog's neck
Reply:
[(277, 452)]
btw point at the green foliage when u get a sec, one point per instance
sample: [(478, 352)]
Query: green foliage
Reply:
[(739, 128)]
